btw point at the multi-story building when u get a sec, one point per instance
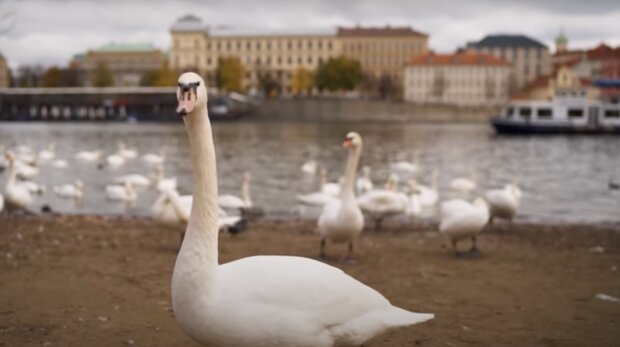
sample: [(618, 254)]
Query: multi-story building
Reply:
[(461, 79), (127, 62), (530, 59), (4, 73), (379, 50)]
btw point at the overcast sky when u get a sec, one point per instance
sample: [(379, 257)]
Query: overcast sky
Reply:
[(49, 32)]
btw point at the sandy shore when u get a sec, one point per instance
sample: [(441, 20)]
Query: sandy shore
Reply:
[(94, 281)]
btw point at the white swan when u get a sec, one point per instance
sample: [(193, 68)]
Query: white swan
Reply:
[(73, 191), (341, 220), (115, 160), (121, 193), (404, 166), (309, 167), (136, 180), (1, 203), (162, 183), (461, 219), (364, 184), (127, 153), (381, 203), (324, 195), (24, 170), (33, 187), (154, 159), (463, 184), (262, 300), (16, 195), (234, 202), (88, 155), (47, 154), (59, 164), (429, 195), (504, 203)]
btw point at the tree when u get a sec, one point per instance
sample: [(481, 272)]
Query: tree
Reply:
[(102, 77), (267, 83), (229, 74), (29, 76), (163, 77), (339, 73), (301, 81), (52, 77)]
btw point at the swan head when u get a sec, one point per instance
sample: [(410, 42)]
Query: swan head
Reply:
[(352, 140), (191, 93)]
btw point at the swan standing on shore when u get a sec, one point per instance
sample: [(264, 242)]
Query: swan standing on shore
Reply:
[(461, 219), (16, 195), (261, 301), (504, 203), (341, 219)]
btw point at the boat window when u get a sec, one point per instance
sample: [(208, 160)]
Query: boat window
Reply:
[(612, 113), (544, 113), (525, 112), (509, 112), (575, 112)]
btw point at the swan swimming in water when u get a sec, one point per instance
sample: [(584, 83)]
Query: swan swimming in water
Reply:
[(261, 301), (234, 202), (15, 194)]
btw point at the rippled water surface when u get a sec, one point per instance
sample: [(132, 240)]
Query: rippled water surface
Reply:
[(564, 178)]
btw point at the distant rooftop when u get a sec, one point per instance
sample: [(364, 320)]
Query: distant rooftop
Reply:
[(188, 23), (459, 58), (503, 41), (378, 31), (126, 47)]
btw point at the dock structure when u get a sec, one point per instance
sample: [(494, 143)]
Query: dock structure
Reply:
[(108, 104)]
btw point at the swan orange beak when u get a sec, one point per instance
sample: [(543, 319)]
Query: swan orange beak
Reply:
[(347, 143)]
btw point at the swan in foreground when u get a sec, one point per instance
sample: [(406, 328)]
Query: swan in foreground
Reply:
[(70, 191), (234, 202), (121, 193), (381, 203), (261, 300), (16, 195), (341, 219), (504, 203), (461, 219)]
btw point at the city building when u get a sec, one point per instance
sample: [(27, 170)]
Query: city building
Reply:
[(530, 59), (379, 50), (4, 73), (127, 62), (563, 82), (461, 79)]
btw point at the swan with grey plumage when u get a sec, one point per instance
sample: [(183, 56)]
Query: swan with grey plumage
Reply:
[(261, 301)]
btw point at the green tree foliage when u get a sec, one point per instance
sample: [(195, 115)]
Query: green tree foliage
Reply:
[(52, 77), (102, 77), (229, 74), (339, 73), (301, 81)]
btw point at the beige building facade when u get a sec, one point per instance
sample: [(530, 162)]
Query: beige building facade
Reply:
[(127, 62), (460, 79), (379, 50), (529, 58), (4, 73)]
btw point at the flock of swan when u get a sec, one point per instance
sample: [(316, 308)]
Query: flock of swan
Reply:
[(270, 300)]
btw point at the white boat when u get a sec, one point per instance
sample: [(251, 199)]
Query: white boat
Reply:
[(559, 115)]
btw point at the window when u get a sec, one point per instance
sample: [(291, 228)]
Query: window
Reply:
[(544, 113), (248, 45), (258, 45), (509, 112), (217, 46), (612, 113), (525, 112), (575, 113), (329, 45)]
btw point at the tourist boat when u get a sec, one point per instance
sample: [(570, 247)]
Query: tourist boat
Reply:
[(560, 115)]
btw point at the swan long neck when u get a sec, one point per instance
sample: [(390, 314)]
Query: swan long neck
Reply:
[(348, 191), (202, 232), (245, 193)]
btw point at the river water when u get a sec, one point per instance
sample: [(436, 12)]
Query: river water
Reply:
[(563, 178)]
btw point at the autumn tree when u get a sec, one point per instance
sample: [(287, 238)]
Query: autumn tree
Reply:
[(340, 73), (52, 77), (301, 81), (102, 77), (229, 74)]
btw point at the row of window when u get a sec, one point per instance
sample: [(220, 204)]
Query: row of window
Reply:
[(513, 53), (258, 45), (547, 113), (383, 46)]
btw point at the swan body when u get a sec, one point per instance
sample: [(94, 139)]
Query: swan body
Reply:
[(309, 167), (16, 195), (127, 153), (504, 203), (24, 170), (161, 182), (121, 193), (47, 154), (341, 219), (33, 187), (154, 159), (59, 164), (135, 179), (67, 191), (261, 301), (115, 160), (461, 219), (462, 184), (235, 202), (404, 166), (380, 203), (88, 155), (315, 199)]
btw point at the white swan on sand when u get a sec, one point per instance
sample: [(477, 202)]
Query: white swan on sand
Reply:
[(261, 300), (341, 220), (234, 202), (504, 203), (461, 219), (15, 194)]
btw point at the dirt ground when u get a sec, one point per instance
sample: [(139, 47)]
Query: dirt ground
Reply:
[(95, 281)]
